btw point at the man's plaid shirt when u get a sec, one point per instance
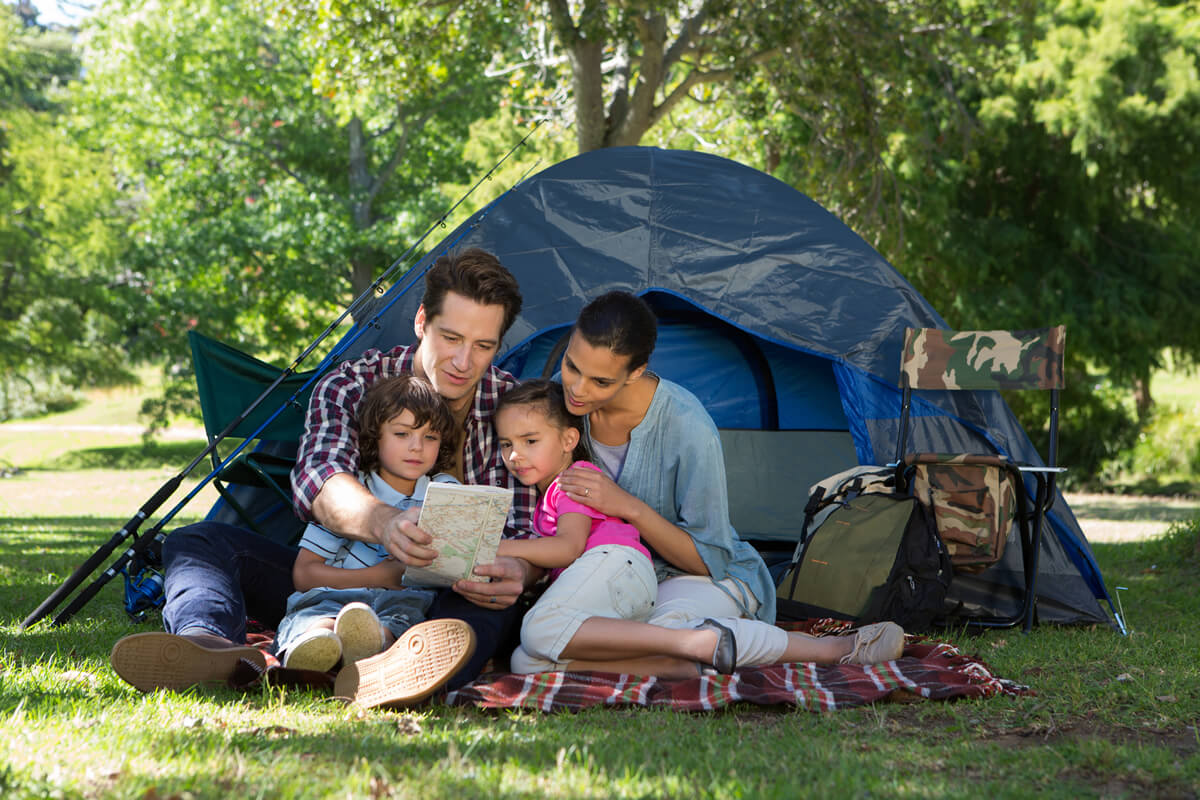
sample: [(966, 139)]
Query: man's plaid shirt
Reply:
[(330, 441)]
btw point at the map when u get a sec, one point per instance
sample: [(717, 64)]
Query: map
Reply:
[(466, 523)]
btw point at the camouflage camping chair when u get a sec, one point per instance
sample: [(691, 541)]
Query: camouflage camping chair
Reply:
[(980, 500)]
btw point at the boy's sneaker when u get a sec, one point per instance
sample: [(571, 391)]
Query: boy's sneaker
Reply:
[(149, 661), (421, 661), (876, 643), (360, 630), (319, 650)]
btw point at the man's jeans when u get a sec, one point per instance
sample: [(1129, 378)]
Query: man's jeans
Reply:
[(217, 575)]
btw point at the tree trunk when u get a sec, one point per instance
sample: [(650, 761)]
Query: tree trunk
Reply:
[(591, 126), (1141, 396), (361, 272)]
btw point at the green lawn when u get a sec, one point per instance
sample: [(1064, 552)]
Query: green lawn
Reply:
[(1112, 716)]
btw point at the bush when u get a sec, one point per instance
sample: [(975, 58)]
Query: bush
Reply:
[(1165, 457), (22, 396), (1096, 427)]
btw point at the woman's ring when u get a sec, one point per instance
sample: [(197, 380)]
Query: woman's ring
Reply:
[(492, 600), (587, 492)]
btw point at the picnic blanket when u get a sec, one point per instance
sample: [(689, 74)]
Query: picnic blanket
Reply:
[(927, 670)]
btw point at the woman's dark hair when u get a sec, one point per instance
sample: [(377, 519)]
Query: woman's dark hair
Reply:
[(548, 397), (621, 322), (391, 396)]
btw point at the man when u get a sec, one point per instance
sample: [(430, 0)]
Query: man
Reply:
[(217, 574)]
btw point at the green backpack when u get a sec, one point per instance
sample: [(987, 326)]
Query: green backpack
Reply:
[(869, 554)]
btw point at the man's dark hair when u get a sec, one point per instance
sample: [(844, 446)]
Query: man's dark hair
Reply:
[(476, 275), (388, 398), (547, 397), (621, 322)]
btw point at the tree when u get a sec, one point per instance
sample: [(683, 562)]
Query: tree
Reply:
[(62, 297), (1075, 202), (262, 203)]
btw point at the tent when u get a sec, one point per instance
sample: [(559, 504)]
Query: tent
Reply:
[(786, 325)]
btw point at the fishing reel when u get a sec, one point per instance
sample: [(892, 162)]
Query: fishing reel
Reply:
[(143, 589)]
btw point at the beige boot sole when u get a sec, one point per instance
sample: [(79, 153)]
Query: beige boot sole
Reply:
[(318, 650), (418, 664), (360, 631), (150, 661)]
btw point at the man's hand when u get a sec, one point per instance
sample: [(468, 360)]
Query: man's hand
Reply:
[(509, 578), (397, 531)]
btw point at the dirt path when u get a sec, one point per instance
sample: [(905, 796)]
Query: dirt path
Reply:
[(1124, 518), (182, 433)]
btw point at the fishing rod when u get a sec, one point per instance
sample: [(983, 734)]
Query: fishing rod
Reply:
[(148, 538), (130, 529)]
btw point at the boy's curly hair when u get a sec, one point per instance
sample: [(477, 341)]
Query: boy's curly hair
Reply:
[(388, 398)]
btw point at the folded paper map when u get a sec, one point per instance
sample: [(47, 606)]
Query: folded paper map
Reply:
[(466, 523)]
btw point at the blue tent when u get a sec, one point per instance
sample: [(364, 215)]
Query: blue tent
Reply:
[(784, 322)]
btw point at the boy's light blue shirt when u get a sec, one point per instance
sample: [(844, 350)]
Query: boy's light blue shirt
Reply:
[(676, 466)]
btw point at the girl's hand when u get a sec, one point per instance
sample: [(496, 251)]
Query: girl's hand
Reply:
[(596, 490), (391, 573)]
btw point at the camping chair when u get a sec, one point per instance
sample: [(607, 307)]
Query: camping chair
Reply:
[(228, 381), (976, 499)]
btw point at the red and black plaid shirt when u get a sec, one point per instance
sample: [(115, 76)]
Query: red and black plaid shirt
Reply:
[(330, 441)]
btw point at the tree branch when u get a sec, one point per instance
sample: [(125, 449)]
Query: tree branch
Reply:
[(262, 151)]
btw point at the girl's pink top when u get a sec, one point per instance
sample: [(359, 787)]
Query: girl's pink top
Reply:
[(605, 529)]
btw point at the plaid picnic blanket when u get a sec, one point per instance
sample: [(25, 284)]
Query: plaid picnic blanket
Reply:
[(928, 669)]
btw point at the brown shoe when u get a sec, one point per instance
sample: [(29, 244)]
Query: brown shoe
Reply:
[(876, 643), (417, 665), (149, 661)]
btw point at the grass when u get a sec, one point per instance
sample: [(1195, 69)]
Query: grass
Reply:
[(1112, 716)]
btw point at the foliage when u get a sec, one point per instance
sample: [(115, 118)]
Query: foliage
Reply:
[(1164, 458), (1096, 426), (1070, 204), (62, 296), (862, 82), (265, 198), (259, 200)]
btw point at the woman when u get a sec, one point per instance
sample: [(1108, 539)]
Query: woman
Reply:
[(664, 472)]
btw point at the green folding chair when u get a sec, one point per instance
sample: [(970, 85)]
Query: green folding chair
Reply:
[(228, 381), (978, 500)]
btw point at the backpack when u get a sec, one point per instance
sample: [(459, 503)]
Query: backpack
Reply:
[(869, 553)]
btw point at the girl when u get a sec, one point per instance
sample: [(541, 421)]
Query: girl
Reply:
[(599, 567), (349, 602), (664, 473)]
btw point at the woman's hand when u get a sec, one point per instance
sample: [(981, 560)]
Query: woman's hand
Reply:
[(597, 490)]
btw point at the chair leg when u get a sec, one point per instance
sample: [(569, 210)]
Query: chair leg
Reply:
[(1031, 569)]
